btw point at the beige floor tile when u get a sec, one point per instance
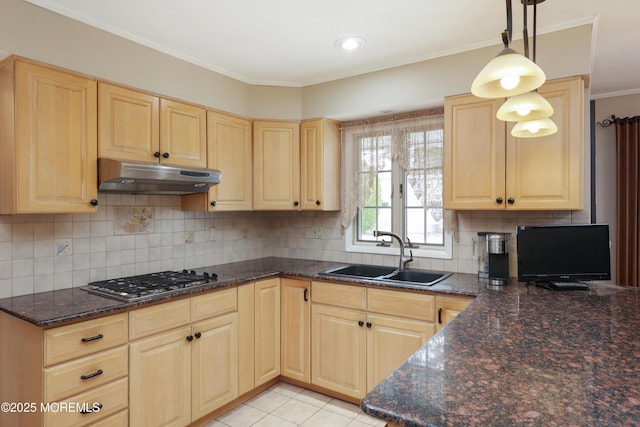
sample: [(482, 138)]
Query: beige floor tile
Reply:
[(369, 420), (216, 423), (286, 389), (326, 418), (358, 423), (268, 401), (313, 398), (242, 416), (295, 411), (343, 408), (273, 421)]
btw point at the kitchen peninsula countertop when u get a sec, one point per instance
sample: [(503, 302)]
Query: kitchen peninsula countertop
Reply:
[(524, 356)]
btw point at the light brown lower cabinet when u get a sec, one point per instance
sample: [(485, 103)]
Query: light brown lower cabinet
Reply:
[(448, 307), (188, 371), (295, 320), (360, 335)]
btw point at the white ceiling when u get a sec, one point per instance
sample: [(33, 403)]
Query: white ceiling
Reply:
[(290, 42)]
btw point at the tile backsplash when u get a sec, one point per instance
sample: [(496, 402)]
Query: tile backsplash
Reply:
[(132, 235)]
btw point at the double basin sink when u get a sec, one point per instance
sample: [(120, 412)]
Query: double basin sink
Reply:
[(390, 275)]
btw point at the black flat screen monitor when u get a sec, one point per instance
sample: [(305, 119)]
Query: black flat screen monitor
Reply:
[(563, 253)]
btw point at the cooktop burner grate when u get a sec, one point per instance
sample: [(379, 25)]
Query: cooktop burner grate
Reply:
[(147, 285)]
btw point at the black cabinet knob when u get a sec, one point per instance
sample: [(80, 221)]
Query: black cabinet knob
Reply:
[(198, 335), (165, 155), (361, 323), (213, 203), (296, 203), (189, 338), (156, 154), (317, 202), (499, 200), (93, 202), (368, 324), (511, 200)]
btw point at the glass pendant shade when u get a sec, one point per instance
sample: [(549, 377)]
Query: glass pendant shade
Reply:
[(534, 128), (528, 106), (508, 74)]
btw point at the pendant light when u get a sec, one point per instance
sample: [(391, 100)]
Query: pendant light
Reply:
[(509, 73), (534, 128), (531, 110)]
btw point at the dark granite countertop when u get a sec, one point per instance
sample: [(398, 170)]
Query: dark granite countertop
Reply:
[(55, 308), (524, 356)]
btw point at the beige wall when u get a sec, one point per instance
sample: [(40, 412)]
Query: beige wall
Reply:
[(39, 34), (620, 106)]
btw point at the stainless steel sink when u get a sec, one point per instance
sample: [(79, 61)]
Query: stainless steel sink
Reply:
[(388, 274), (360, 270)]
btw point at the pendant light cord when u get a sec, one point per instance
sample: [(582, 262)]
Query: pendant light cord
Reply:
[(506, 34)]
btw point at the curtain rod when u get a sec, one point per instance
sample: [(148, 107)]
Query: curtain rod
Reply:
[(607, 122)]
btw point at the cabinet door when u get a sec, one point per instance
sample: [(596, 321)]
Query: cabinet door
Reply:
[(229, 150), (183, 134), (276, 157), (474, 154), (449, 307), (56, 140), (338, 350), (215, 364), (390, 341), (160, 380), (296, 330), (267, 330), (547, 172), (320, 165), (128, 124), (246, 343)]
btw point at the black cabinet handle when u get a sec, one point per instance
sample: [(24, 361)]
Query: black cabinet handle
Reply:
[(97, 337), (91, 375), (368, 324), (511, 200), (96, 408), (440, 316), (189, 338), (213, 203), (198, 335), (317, 202), (156, 154), (306, 294), (165, 155), (93, 202), (296, 203), (499, 200), (360, 323)]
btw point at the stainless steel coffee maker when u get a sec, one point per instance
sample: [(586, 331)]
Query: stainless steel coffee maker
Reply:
[(492, 251)]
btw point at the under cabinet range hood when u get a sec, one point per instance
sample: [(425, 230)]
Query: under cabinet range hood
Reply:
[(119, 176)]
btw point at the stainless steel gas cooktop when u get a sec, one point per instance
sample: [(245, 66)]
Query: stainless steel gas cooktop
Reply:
[(135, 288)]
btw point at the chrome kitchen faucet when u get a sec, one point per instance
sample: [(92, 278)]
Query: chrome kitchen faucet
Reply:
[(403, 260)]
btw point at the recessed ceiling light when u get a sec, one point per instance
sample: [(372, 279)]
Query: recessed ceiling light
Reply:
[(349, 42)]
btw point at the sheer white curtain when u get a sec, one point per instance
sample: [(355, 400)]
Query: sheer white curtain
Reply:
[(423, 165)]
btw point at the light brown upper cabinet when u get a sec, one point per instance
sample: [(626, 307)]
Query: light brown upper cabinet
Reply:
[(296, 165), (137, 126), (276, 165), (485, 168), (320, 165), (229, 151), (48, 139)]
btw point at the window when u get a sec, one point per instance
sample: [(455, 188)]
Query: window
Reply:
[(398, 179)]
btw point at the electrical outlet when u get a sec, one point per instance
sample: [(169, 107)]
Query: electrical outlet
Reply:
[(212, 234), (317, 232), (188, 237)]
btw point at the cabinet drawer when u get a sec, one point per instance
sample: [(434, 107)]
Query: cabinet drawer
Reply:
[(214, 304), (68, 342), (162, 317), (401, 304), (338, 295), (75, 377), (112, 397)]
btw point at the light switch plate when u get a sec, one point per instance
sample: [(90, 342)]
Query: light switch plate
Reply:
[(212, 234)]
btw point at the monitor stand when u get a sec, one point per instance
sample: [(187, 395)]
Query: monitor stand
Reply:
[(564, 286)]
